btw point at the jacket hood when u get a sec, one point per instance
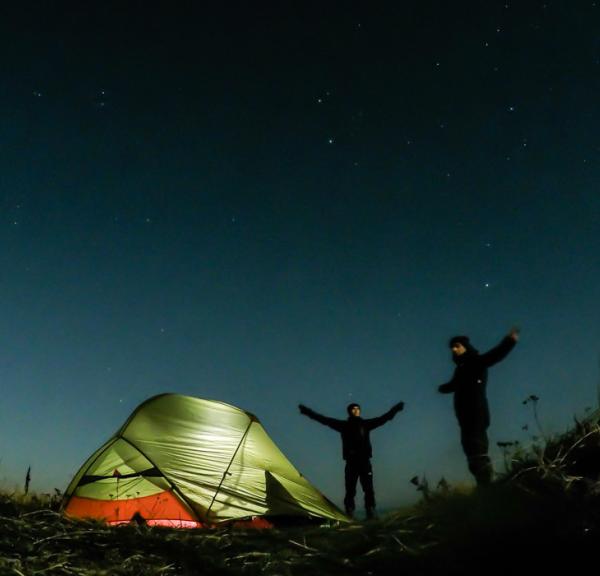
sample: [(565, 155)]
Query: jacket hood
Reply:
[(466, 356), (350, 406)]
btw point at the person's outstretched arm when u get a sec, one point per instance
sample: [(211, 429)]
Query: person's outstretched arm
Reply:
[(500, 352), (447, 388), (331, 422), (376, 422)]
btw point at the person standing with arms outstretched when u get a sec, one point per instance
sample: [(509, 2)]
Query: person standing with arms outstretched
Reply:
[(357, 451), (468, 385)]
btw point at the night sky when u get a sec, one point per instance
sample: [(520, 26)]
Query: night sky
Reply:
[(272, 205)]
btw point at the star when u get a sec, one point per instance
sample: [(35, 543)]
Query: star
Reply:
[(330, 140)]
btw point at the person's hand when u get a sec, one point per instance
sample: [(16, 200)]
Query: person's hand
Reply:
[(514, 333), (398, 407), (303, 409)]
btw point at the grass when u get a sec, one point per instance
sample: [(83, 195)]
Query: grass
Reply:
[(543, 513)]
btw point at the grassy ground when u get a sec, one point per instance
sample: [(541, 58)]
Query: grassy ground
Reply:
[(543, 513)]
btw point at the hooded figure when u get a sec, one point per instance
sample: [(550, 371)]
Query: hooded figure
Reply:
[(357, 451), (470, 402)]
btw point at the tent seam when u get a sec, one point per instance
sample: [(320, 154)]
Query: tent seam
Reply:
[(228, 467)]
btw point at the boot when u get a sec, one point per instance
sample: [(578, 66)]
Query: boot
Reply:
[(484, 475)]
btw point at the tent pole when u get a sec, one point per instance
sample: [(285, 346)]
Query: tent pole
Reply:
[(173, 487), (227, 469)]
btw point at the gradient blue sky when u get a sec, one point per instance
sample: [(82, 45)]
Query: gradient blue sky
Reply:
[(302, 204)]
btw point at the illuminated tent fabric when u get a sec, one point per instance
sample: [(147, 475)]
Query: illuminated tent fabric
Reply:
[(183, 461)]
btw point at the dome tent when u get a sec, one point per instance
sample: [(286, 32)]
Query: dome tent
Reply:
[(186, 462)]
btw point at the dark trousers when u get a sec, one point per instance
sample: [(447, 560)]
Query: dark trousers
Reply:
[(355, 470), (475, 445)]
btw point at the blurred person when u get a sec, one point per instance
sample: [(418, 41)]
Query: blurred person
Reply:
[(468, 385)]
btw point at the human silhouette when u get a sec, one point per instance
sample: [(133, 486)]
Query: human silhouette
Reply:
[(468, 385), (357, 451)]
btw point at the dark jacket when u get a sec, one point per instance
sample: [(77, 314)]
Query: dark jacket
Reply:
[(469, 383), (356, 443)]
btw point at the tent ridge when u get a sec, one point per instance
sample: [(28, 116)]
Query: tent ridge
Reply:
[(145, 403)]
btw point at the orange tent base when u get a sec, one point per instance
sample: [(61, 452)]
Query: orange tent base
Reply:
[(158, 507), (162, 509)]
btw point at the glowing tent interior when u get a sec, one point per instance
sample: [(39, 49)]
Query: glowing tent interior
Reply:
[(186, 462)]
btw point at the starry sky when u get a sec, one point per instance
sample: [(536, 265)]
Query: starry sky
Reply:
[(272, 205)]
